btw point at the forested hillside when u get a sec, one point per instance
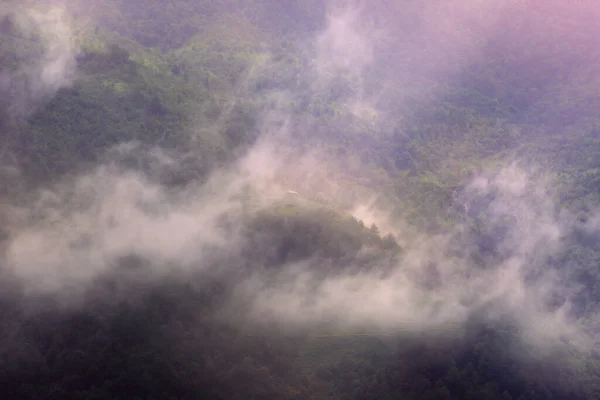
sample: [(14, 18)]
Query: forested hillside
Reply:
[(303, 199)]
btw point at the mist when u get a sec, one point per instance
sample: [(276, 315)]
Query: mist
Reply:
[(36, 74), (71, 234), (437, 282), (493, 262)]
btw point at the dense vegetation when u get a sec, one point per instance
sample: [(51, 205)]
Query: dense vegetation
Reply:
[(204, 81)]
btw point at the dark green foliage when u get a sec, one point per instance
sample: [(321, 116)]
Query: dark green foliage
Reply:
[(296, 233), (483, 365)]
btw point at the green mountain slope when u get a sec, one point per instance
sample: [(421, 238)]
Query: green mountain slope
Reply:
[(414, 105)]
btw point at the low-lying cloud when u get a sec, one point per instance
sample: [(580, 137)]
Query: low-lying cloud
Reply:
[(492, 264), (42, 45), (440, 282), (344, 48), (79, 230)]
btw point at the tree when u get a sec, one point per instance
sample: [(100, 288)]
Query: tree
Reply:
[(374, 228), (389, 241)]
